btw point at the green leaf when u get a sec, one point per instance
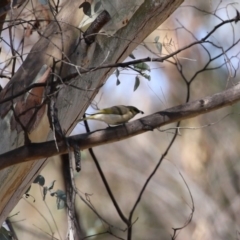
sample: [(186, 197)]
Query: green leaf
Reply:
[(60, 204), (159, 47), (117, 72), (61, 194), (61, 198), (51, 185), (86, 8), (142, 66), (148, 77), (40, 180), (132, 56), (97, 6), (137, 83), (45, 190), (156, 39), (118, 82)]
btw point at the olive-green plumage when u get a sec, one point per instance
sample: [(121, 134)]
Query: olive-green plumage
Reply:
[(114, 115)]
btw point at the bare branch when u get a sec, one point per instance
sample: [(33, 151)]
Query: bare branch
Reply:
[(35, 151)]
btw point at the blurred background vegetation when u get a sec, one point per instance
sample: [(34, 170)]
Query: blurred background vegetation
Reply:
[(205, 154)]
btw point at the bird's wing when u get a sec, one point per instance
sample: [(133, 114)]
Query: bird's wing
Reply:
[(119, 110)]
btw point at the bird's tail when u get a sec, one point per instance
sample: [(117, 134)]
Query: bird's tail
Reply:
[(85, 119)]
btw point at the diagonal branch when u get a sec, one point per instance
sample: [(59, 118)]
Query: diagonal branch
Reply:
[(35, 151)]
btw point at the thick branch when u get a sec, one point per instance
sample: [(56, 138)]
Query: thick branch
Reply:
[(37, 151)]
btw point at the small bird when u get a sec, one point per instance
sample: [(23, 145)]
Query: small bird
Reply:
[(114, 115)]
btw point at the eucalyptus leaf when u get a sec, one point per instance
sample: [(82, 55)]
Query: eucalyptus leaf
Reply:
[(61, 198), (51, 185), (60, 204), (137, 83), (132, 56), (148, 77), (86, 8), (97, 6), (117, 72), (45, 190), (118, 82), (142, 66), (159, 47), (156, 39), (60, 194), (40, 180)]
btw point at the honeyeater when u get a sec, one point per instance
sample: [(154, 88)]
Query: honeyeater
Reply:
[(114, 115)]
